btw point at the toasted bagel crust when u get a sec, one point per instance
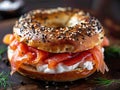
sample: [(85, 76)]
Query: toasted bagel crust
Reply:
[(59, 30), (30, 71)]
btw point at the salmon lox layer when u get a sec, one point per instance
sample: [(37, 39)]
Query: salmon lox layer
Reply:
[(30, 55)]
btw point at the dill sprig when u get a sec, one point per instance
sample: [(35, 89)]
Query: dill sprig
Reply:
[(4, 79), (105, 81), (3, 48), (112, 52)]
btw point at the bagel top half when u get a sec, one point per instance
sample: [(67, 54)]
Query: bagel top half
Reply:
[(59, 30)]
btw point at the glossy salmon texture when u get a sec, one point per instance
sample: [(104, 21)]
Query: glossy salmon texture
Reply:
[(26, 54)]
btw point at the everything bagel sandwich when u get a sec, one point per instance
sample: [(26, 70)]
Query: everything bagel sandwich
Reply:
[(61, 44)]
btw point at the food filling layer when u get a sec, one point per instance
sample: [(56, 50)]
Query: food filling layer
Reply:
[(60, 68), (55, 62)]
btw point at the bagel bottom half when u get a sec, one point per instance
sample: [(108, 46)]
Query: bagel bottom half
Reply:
[(30, 71)]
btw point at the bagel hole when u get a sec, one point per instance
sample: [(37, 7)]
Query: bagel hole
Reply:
[(55, 20)]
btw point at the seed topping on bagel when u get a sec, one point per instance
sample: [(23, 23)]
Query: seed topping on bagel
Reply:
[(34, 28), (66, 26)]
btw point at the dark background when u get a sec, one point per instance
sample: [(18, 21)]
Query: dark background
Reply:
[(103, 8)]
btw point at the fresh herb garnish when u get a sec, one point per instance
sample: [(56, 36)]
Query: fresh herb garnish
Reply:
[(112, 52), (105, 82), (4, 80), (3, 48)]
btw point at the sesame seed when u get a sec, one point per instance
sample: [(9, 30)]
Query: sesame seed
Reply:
[(30, 25)]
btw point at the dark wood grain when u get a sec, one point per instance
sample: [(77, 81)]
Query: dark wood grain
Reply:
[(24, 83)]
